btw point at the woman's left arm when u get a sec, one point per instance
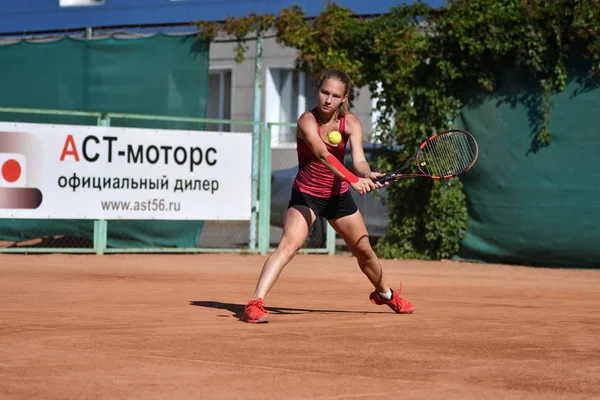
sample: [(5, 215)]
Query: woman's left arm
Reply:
[(359, 162), (355, 132)]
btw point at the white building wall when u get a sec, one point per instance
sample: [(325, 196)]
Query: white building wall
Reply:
[(222, 55)]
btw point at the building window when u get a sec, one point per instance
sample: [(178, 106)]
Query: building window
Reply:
[(219, 99), (81, 3), (377, 134), (287, 94)]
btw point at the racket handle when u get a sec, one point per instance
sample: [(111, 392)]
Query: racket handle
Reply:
[(387, 178)]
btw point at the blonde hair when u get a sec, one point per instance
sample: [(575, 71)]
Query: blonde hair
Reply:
[(342, 77)]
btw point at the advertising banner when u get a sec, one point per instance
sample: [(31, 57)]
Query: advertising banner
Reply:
[(90, 172)]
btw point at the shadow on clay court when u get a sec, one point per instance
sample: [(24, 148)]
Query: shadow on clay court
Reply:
[(238, 309)]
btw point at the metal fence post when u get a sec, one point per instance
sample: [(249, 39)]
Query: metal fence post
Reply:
[(100, 225), (255, 138), (264, 214)]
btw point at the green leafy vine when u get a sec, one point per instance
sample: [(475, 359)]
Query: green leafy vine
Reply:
[(239, 28)]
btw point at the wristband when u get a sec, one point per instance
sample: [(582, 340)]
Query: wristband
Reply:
[(348, 176)]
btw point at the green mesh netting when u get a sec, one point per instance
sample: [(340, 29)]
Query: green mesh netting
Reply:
[(156, 75)]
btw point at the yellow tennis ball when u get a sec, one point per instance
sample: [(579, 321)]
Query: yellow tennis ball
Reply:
[(334, 137)]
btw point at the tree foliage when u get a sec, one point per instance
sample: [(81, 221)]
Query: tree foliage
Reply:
[(418, 61)]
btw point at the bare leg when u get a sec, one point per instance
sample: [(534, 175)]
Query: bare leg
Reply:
[(354, 232), (298, 221)]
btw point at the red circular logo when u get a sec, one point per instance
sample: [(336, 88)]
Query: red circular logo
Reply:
[(11, 170)]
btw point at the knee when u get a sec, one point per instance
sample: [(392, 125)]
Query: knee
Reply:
[(288, 249), (362, 250)]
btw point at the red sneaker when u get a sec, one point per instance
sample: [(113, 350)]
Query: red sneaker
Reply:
[(396, 303), (255, 312)]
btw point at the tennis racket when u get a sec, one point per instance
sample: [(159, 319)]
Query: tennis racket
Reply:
[(442, 156)]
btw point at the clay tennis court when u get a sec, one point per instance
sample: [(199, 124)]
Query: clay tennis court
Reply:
[(165, 326)]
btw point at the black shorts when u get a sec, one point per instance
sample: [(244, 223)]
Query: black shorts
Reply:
[(329, 208)]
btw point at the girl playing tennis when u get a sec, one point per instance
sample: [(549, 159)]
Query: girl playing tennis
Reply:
[(321, 189)]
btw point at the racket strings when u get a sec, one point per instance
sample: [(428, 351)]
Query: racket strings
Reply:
[(447, 154), (460, 150)]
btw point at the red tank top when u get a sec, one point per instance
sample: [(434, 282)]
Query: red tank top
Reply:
[(313, 177)]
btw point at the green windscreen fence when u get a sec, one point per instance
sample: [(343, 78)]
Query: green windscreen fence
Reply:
[(156, 75), (530, 205)]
